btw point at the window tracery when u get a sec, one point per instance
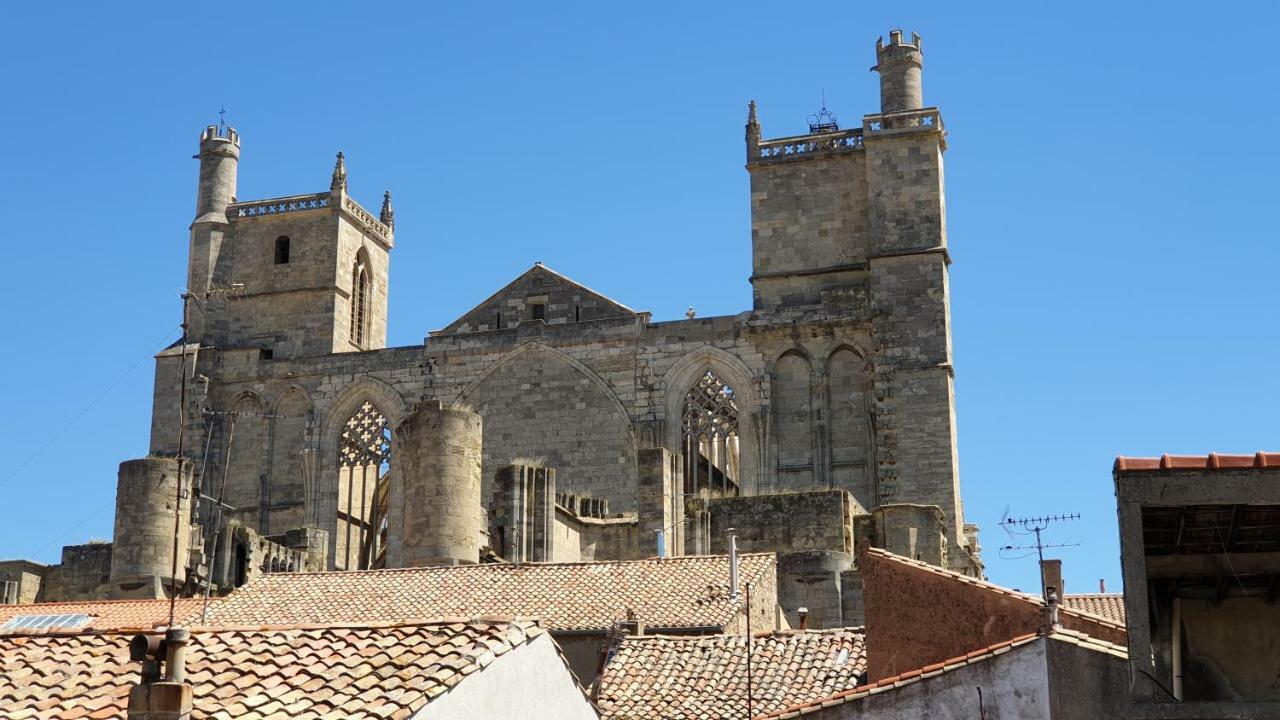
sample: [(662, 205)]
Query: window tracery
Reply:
[(710, 427), (364, 459)]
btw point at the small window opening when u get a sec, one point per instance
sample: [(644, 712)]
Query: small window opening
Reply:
[(282, 250), (497, 323), (577, 313), (539, 311)]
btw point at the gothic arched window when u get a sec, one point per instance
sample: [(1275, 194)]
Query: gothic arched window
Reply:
[(710, 428), (359, 302), (364, 459)]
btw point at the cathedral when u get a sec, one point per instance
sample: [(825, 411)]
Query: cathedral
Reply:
[(551, 423)]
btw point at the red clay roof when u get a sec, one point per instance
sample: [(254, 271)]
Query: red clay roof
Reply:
[(924, 673), (296, 673), (678, 592), (704, 678), (1212, 461), (1104, 605), (113, 614)]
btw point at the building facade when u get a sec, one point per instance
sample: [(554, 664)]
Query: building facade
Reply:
[(837, 379)]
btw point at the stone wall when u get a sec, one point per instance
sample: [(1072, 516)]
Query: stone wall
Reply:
[(20, 581), (821, 520), (917, 615), (840, 373), (83, 574)]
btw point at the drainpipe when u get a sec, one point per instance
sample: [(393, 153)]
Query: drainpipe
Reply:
[(1177, 648)]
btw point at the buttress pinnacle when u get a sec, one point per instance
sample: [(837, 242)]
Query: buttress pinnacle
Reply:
[(387, 216), (339, 181)]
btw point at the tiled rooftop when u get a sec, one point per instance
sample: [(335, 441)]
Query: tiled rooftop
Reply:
[(663, 593), (704, 678), (255, 674), (907, 678), (1212, 461), (1104, 605), (112, 614)]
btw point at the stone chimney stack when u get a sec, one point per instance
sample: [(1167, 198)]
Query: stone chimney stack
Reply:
[(1051, 577), (899, 64)]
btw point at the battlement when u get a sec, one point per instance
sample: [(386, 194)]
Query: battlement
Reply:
[(223, 133), (895, 41)]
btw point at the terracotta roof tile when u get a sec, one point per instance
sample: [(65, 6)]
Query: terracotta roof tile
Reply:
[(697, 678), (907, 678), (1104, 605), (1212, 461), (112, 614), (690, 591), (977, 656), (69, 675)]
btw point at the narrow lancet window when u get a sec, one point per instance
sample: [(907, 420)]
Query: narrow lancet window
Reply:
[(359, 303), (282, 250)]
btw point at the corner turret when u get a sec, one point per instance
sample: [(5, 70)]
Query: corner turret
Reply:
[(899, 65), (219, 156)]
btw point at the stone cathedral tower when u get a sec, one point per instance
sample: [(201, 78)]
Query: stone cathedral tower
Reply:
[(819, 420), (852, 223)]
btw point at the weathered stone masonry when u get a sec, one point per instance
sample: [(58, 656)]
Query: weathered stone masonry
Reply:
[(841, 372), (837, 381)]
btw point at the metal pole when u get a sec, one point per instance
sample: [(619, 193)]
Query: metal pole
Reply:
[(733, 564), (217, 523), (749, 699), (182, 424)]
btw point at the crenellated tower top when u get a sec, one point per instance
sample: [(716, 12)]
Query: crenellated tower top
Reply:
[(899, 64)]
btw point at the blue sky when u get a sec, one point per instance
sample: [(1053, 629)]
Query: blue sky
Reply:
[(1110, 195)]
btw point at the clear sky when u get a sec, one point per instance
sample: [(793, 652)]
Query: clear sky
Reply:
[(1110, 188)]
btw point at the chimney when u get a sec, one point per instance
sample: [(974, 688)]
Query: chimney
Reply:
[(1050, 610), (1051, 577), (803, 612), (161, 699), (1102, 585)]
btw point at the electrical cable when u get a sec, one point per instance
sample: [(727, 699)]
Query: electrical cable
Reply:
[(56, 436)]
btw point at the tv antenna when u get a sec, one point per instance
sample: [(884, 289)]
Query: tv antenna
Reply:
[(1035, 526)]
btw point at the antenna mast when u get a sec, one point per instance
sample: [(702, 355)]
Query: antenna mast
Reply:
[(1036, 526)]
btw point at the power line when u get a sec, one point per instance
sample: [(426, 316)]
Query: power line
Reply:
[(72, 529), (56, 436)]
